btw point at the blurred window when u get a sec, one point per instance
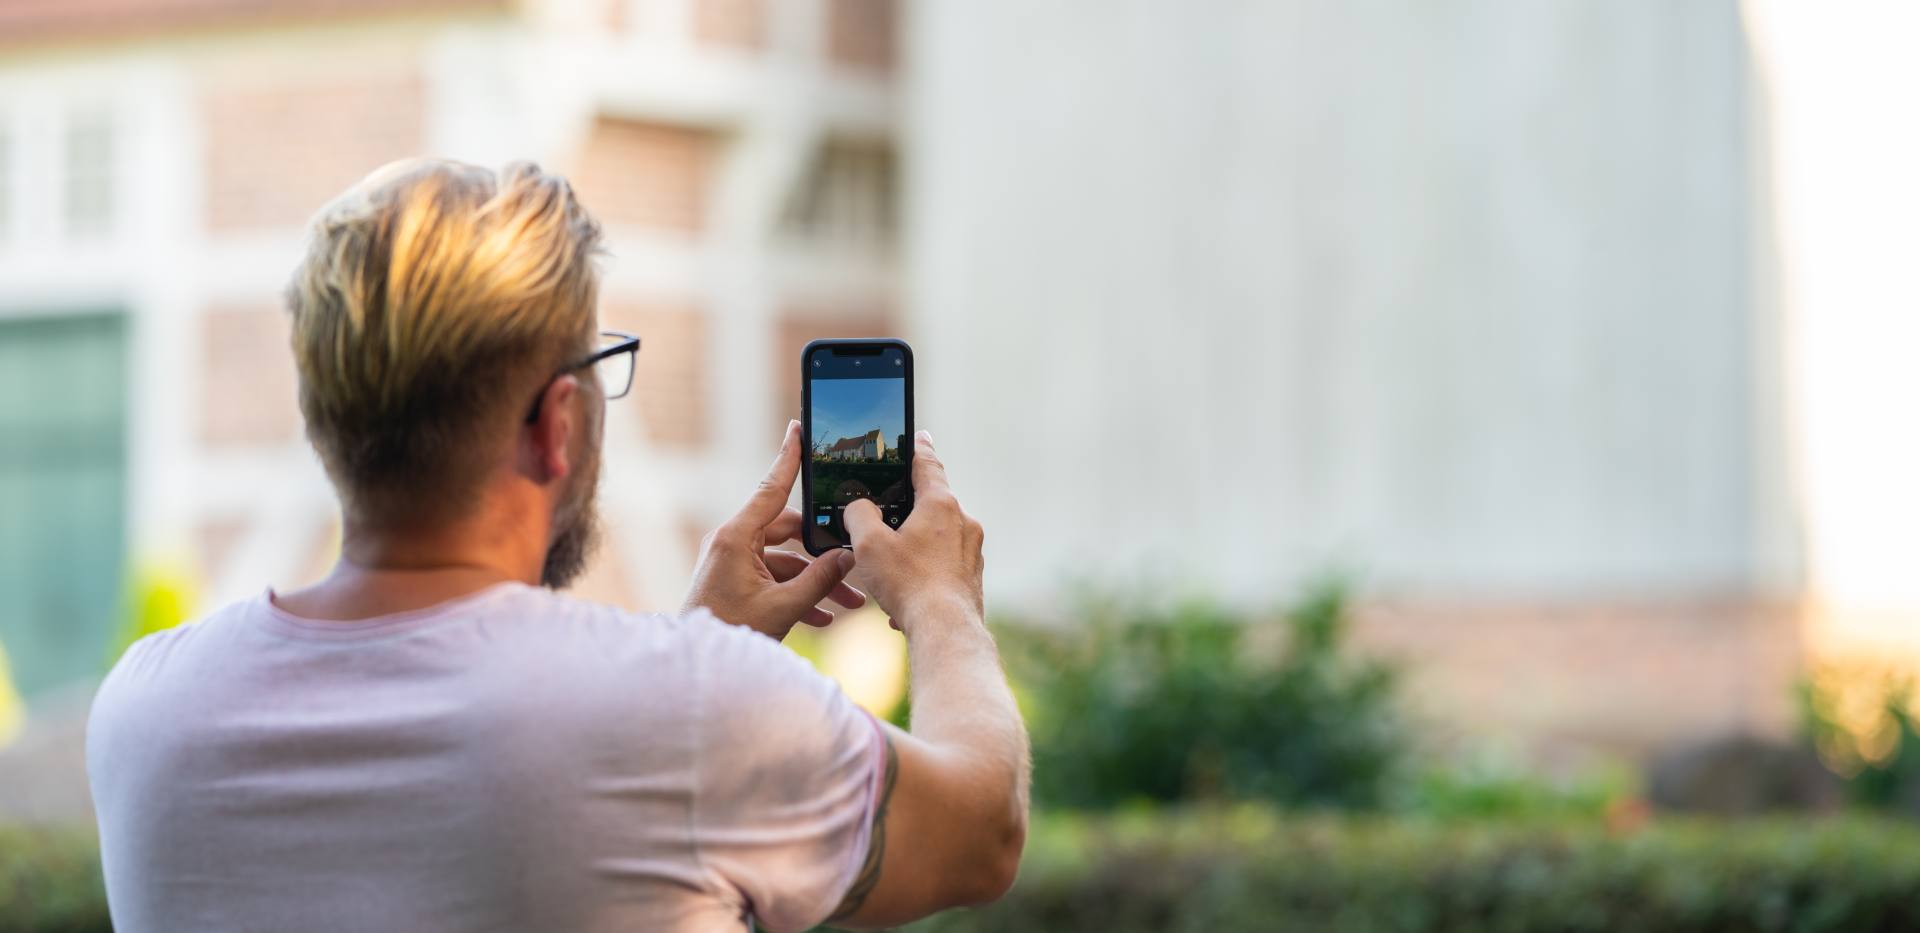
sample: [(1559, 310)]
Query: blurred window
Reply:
[(862, 33), (62, 480), (647, 174), (848, 195), (90, 188)]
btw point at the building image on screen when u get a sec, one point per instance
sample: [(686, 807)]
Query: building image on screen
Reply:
[(858, 450)]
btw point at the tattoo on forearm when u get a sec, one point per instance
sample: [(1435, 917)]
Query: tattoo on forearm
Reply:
[(869, 876)]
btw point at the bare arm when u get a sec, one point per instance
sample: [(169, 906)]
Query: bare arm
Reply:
[(952, 820), (952, 817)]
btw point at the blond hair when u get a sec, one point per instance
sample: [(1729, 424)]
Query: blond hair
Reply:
[(432, 296)]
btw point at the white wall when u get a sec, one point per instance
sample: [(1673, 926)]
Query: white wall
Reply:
[(1461, 296)]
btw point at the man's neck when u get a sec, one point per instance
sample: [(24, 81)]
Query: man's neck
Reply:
[(384, 571)]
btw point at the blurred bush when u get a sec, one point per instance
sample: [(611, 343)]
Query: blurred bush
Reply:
[(1480, 791), (13, 710), (50, 881), (1131, 702), (1863, 729), (1250, 868), (159, 596)]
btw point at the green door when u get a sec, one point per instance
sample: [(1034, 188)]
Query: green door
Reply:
[(62, 495)]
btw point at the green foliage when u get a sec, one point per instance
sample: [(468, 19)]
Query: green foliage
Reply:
[(1133, 703), (806, 642), (159, 597), (1480, 792), (1878, 759), (901, 716), (50, 881), (1255, 869), (13, 710)]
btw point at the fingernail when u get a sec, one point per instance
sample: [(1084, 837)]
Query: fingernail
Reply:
[(846, 561), (926, 436)]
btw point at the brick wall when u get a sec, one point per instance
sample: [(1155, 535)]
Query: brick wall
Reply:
[(248, 387), (672, 378), (617, 15), (731, 23), (43, 21), (277, 149), (1563, 681), (604, 580), (646, 174), (861, 34)]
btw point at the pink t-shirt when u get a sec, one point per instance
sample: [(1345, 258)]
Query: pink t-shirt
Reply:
[(511, 760)]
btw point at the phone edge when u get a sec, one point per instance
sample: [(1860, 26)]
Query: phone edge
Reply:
[(806, 431)]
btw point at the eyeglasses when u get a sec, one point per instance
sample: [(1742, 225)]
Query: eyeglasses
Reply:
[(612, 365)]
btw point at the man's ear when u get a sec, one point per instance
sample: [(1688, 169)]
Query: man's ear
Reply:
[(551, 434)]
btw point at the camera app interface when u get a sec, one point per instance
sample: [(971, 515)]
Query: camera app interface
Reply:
[(858, 444)]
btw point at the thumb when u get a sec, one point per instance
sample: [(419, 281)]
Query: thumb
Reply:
[(862, 519), (816, 582)]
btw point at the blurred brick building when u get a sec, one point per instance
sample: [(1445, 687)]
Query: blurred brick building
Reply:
[(158, 159), (1475, 302)]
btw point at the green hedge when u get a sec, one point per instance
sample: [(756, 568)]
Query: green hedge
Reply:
[(1253, 869), (1134, 699), (1250, 869), (50, 881)]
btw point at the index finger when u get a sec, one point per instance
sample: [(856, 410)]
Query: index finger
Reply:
[(929, 474), (769, 499)]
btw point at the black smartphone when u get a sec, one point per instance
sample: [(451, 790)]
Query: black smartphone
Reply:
[(856, 418)]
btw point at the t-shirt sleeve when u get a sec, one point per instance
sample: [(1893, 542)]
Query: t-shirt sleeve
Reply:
[(786, 769)]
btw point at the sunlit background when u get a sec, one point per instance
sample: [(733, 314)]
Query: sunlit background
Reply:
[(1574, 338)]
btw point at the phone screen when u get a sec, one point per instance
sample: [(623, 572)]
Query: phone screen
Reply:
[(859, 432)]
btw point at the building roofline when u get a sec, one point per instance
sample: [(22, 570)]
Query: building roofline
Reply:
[(40, 22)]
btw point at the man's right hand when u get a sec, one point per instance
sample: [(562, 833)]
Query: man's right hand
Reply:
[(742, 580), (954, 793), (932, 560)]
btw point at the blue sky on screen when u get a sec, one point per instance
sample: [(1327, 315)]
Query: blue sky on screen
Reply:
[(851, 407)]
